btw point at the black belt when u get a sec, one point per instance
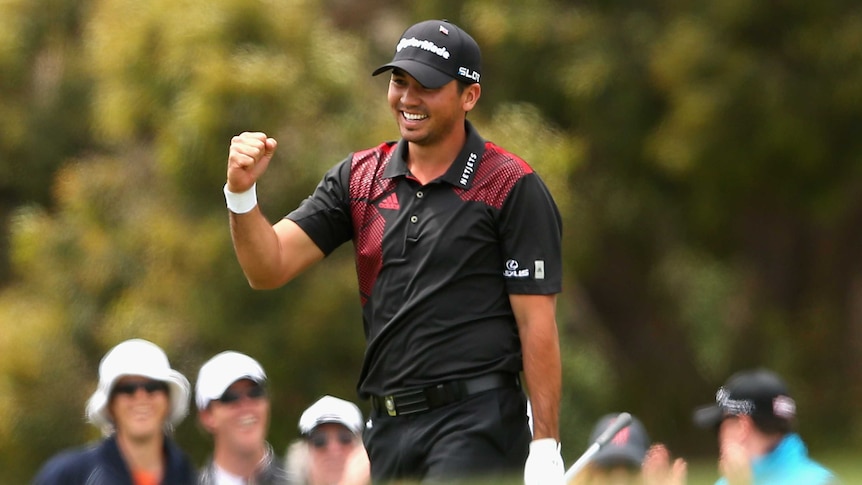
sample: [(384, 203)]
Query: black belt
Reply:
[(428, 398)]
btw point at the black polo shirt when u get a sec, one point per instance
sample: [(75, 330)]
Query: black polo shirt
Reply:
[(437, 262)]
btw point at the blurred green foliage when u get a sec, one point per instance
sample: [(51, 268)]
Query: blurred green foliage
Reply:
[(705, 155)]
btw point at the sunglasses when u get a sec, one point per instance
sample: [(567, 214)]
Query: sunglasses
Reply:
[(131, 388), (320, 439), (253, 392)]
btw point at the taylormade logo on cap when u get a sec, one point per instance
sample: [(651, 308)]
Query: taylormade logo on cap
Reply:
[(422, 44)]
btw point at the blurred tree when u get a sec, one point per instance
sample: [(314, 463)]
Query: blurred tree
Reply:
[(723, 196), (43, 106), (135, 242)]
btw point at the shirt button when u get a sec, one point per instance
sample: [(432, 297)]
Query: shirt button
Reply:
[(420, 194), (414, 219)]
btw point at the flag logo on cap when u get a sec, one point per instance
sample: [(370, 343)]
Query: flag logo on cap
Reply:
[(444, 30)]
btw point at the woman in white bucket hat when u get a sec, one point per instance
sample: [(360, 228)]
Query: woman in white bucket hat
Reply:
[(139, 400)]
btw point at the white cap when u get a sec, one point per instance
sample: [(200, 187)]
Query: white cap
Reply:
[(218, 373), (137, 357), (329, 409)]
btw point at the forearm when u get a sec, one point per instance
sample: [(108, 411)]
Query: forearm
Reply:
[(544, 381), (540, 348)]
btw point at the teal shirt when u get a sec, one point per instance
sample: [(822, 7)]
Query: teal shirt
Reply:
[(788, 464)]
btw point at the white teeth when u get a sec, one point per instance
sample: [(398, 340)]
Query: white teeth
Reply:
[(413, 116), (247, 420)]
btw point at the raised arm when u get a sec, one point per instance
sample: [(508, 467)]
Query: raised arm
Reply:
[(270, 256)]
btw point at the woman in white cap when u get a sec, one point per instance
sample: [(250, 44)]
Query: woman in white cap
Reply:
[(330, 451), (138, 402)]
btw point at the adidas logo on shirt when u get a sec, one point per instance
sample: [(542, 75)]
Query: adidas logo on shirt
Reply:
[(390, 202)]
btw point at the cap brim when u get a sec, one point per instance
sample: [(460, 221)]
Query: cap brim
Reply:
[(340, 422), (427, 76), (707, 416)]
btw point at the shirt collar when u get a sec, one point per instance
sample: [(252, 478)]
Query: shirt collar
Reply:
[(790, 448), (460, 173), (224, 477)]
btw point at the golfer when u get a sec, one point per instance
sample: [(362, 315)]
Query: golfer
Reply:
[(457, 245)]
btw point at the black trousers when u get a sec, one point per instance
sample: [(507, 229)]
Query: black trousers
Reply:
[(485, 435)]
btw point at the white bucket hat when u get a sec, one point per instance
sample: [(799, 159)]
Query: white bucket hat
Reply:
[(137, 357), (221, 371)]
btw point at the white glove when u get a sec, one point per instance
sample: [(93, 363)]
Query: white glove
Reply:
[(544, 463)]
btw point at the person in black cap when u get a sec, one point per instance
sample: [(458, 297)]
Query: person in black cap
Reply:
[(457, 245), (753, 415)]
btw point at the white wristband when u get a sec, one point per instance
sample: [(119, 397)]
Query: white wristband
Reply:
[(242, 202)]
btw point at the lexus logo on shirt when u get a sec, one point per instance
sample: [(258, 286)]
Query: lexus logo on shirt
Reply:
[(513, 270)]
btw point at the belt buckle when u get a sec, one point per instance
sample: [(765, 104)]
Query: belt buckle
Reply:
[(389, 403)]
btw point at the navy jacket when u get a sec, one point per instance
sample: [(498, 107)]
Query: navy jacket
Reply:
[(102, 464)]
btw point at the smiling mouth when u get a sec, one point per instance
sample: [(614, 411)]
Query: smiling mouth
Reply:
[(248, 421), (413, 116)]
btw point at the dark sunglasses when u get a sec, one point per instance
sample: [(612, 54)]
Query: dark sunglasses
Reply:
[(253, 392), (320, 439), (131, 388)]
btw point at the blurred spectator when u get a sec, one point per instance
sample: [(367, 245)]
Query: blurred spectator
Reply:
[(234, 408), (137, 403), (627, 458), (754, 415), (331, 450)]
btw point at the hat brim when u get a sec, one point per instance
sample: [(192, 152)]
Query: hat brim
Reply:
[(203, 401), (708, 416), (427, 76), (97, 406)]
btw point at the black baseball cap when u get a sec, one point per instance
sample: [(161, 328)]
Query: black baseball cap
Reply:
[(627, 448), (435, 52), (759, 393)]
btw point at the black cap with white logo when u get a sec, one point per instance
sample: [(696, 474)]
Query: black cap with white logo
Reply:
[(759, 393), (435, 52)]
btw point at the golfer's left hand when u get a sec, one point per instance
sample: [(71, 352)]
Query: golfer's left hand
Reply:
[(544, 463)]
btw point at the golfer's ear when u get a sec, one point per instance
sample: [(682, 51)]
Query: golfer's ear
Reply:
[(471, 96)]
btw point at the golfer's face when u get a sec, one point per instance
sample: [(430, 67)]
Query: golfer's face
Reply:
[(426, 116), (139, 407)]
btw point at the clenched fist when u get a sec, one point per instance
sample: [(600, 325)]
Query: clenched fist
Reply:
[(250, 153)]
